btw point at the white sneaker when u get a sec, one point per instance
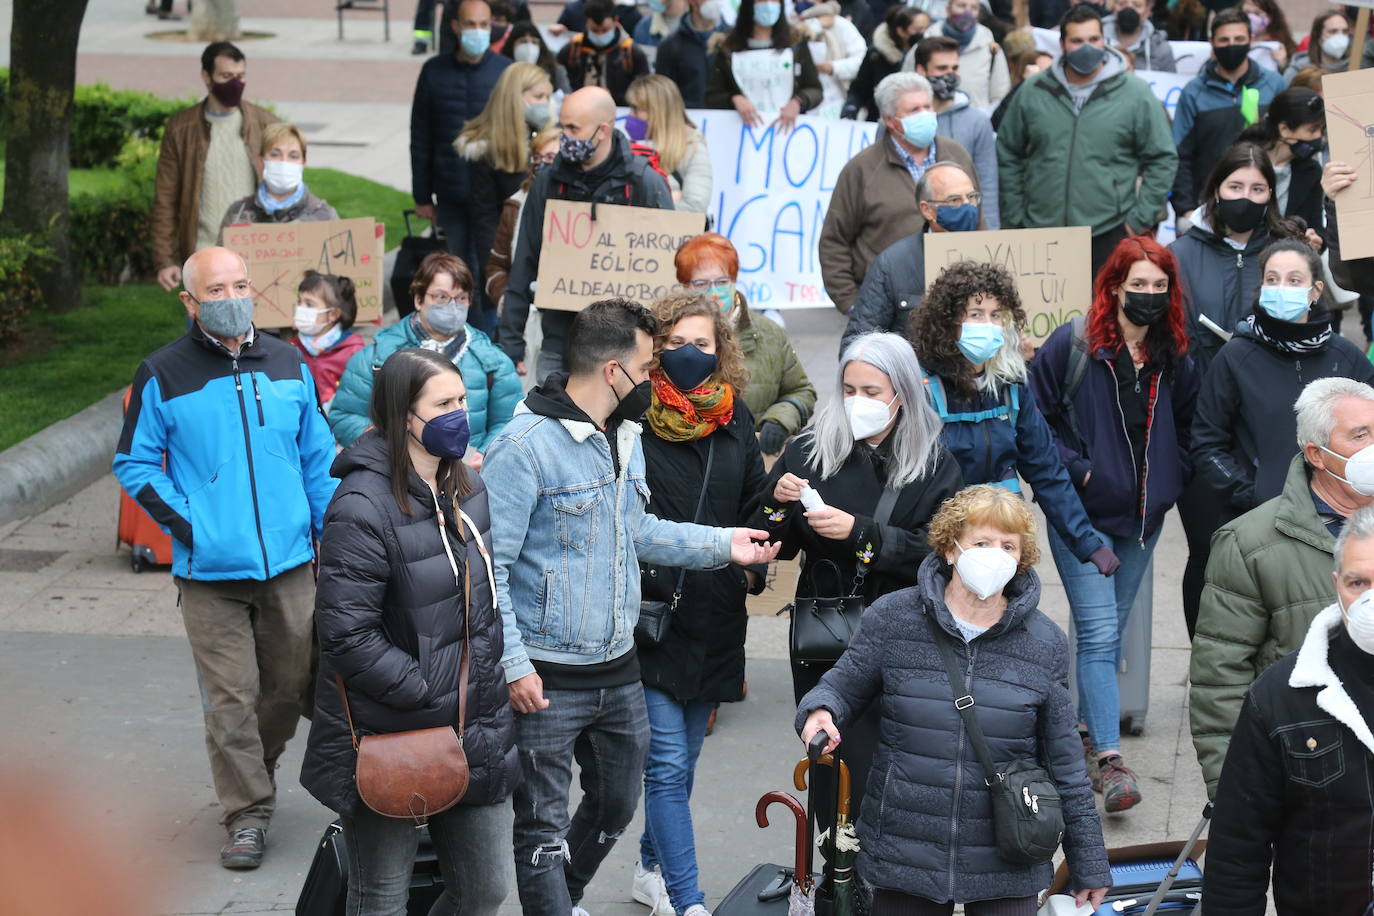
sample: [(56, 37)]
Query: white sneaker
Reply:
[(697, 909), (648, 887), (578, 911)]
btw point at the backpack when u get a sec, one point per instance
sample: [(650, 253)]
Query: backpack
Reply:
[(1075, 369)]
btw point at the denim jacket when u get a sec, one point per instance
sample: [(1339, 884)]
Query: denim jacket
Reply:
[(568, 535)]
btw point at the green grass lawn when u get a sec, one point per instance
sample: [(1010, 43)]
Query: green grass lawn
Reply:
[(64, 363), (353, 196)]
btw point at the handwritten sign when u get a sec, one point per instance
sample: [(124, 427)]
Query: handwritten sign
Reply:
[(1350, 127), (625, 252), (279, 254), (1052, 267), (766, 77)]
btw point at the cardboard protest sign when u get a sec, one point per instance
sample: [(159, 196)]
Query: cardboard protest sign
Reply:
[(279, 254), (1052, 267), (626, 251), (1350, 129)]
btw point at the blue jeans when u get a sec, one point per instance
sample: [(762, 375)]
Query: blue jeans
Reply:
[(607, 731), (1100, 606), (676, 731), (471, 842)]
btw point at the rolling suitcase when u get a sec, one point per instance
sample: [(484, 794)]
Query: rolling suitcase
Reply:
[(413, 250), (1133, 673), (148, 544), (325, 892)]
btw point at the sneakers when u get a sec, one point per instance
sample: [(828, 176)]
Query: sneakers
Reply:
[(244, 849), (648, 887), (1090, 761), (578, 911), (697, 909), (1119, 788)]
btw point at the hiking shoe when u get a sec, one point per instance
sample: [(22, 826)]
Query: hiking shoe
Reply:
[(648, 887), (1090, 761), (244, 849), (420, 47), (1119, 788)]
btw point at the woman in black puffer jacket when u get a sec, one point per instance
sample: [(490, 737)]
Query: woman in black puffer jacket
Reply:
[(931, 839), (389, 610)]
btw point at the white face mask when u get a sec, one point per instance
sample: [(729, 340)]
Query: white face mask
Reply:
[(985, 571), (308, 320), (710, 10), (282, 177), (527, 53), (1335, 46), (1359, 470), (867, 416), (1359, 621)]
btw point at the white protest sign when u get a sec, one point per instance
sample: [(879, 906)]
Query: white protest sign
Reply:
[(765, 77), (833, 94), (1167, 87), (1189, 56)]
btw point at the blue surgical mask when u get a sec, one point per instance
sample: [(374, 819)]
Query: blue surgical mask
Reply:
[(980, 341), (1285, 303), (767, 13), (476, 41), (919, 128), (603, 39), (658, 6), (447, 435), (963, 218)]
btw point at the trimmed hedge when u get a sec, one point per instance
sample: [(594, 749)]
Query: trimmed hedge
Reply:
[(19, 256)]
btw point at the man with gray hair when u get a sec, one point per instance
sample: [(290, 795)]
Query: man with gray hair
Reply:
[(870, 208), (225, 446), (1269, 573), (1295, 790), (895, 283)]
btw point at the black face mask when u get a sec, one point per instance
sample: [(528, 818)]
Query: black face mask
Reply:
[(1229, 57), (1241, 214), (1127, 21), (1144, 309), (1304, 149), (632, 405)]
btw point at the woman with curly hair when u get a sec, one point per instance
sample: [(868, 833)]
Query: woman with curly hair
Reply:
[(873, 455), (1118, 390), (702, 464), (967, 336), (932, 842)]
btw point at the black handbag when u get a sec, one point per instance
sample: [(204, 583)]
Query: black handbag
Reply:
[(1027, 813), (656, 617), (822, 625)]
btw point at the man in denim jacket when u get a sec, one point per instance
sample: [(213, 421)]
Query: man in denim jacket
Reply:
[(567, 490)]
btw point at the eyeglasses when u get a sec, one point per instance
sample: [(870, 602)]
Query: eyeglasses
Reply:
[(717, 283), (445, 298), (973, 197), (543, 158)]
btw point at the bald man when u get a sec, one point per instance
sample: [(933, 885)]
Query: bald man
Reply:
[(224, 445), (595, 163)]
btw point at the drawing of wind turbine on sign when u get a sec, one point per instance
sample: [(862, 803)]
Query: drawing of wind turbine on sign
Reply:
[(1367, 130), (337, 251)]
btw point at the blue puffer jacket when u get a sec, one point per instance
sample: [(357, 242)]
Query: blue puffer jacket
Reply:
[(493, 387), (999, 436), (448, 94), (931, 833), (247, 455), (1110, 496)]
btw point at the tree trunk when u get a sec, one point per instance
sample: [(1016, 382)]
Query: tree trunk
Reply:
[(215, 20), (43, 38)]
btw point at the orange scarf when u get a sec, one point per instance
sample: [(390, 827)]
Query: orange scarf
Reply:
[(682, 416)]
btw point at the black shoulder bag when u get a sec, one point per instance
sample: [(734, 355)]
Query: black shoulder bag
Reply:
[(822, 626), (1027, 814), (656, 617)]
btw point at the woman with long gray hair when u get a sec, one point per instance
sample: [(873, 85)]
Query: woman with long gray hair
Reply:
[(873, 454)]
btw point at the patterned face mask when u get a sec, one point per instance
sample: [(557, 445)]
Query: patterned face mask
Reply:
[(577, 151)]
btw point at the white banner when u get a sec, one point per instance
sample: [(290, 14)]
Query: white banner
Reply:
[(1167, 87)]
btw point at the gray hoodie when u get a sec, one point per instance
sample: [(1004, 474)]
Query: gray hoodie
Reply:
[(971, 128), (1113, 64), (1151, 50)]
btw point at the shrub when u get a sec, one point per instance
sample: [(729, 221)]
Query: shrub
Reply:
[(103, 119), (19, 293), (110, 233)]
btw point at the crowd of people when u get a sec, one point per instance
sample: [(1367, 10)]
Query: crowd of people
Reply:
[(429, 525)]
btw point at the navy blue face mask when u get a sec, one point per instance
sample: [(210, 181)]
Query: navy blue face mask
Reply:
[(963, 218), (687, 367), (447, 435)]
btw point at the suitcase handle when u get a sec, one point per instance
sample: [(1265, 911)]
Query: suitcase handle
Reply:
[(406, 215)]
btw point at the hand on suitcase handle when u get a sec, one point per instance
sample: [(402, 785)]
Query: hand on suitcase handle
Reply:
[(820, 720)]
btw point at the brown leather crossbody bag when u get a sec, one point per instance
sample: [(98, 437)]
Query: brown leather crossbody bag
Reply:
[(419, 773)]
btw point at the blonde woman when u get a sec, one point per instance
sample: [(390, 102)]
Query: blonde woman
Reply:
[(658, 117), (497, 144)]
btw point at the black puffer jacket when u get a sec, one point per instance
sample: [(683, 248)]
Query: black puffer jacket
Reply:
[(894, 285), (1219, 282), (703, 656), (448, 94), (390, 620), (1244, 431), (933, 834)]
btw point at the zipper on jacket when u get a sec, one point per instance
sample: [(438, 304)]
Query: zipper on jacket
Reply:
[(1145, 471), (958, 773), (252, 476), (1073, 143), (1121, 412), (257, 395)]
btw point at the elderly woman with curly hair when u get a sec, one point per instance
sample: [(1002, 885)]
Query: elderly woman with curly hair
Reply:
[(967, 337), (702, 464), (930, 843)]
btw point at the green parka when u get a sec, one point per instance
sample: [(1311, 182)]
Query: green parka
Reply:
[(1268, 577), (778, 388)]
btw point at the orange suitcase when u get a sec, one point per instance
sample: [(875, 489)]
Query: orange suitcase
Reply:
[(149, 545)]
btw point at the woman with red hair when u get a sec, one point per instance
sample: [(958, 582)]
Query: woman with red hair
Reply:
[(1118, 389), (780, 395)]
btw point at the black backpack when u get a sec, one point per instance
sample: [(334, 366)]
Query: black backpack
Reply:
[(1076, 368)]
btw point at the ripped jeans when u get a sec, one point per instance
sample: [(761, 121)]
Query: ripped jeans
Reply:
[(607, 731)]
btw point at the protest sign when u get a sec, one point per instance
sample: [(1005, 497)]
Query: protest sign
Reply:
[(1052, 267), (625, 252), (765, 77), (1350, 129), (1190, 56), (1167, 87), (279, 254)]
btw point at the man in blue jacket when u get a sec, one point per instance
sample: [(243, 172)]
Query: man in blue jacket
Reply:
[(224, 445), (451, 90), (1231, 93)]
